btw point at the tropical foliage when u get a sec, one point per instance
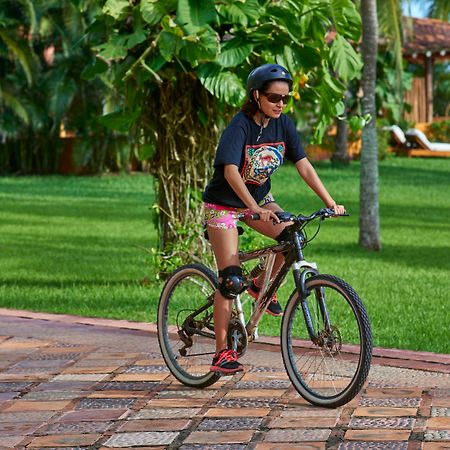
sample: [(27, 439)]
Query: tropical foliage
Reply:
[(181, 66), (43, 90)]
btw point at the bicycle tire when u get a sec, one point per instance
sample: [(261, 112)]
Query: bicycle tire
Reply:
[(331, 372), (186, 290)]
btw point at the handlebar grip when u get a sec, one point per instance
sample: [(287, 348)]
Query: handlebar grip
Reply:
[(255, 216)]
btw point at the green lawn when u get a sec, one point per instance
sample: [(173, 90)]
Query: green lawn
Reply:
[(74, 245)]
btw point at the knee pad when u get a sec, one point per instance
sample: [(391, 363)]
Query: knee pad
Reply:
[(283, 236), (233, 283)]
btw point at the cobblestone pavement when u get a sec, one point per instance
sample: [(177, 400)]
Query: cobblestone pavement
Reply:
[(68, 382)]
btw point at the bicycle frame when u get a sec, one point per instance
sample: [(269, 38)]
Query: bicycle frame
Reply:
[(301, 269)]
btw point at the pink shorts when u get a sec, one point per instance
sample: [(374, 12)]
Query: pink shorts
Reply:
[(218, 216)]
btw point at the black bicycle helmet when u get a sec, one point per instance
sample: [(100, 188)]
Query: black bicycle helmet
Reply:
[(267, 72)]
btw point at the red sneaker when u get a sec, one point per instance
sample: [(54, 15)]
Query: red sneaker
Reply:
[(226, 362), (274, 308)]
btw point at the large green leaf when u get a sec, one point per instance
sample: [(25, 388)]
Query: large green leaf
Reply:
[(120, 120), (91, 71), (115, 48), (118, 9), (345, 60), (224, 85), (153, 11), (169, 44), (347, 19), (194, 14), (239, 12), (201, 47), (234, 52)]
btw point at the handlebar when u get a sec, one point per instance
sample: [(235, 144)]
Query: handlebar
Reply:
[(284, 216)]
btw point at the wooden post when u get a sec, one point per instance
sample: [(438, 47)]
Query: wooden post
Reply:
[(429, 85)]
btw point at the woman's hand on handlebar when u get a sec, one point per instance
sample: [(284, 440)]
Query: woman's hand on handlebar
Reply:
[(265, 214), (338, 209)]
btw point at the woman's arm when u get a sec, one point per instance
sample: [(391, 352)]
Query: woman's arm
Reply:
[(308, 173), (234, 179)]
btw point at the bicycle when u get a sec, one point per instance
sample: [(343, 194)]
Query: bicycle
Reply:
[(326, 340)]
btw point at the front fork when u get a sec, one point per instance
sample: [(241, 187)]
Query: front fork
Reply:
[(302, 270)]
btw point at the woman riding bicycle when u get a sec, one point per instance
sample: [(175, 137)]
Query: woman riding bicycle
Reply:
[(251, 148)]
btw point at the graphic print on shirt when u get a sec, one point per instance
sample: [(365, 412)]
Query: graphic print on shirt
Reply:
[(261, 161)]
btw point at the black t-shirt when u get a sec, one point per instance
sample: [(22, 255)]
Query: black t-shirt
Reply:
[(256, 160)]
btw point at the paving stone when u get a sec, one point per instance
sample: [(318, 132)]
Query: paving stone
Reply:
[(219, 437), (213, 447), (311, 411), (297, 435), (89, 370), (31, 363), (29, 416), (142, 438), (247, 403), (241, 412), (435, 446), (76, 427), (8, 396), (65, 385), (141, 376), (384, 411), (391, 402), (438, 423), (24, 405), (177, 402), (128, 386), (437, 435), (289, 446), (166, 413), (377, 435), (10, 441), (66, 357), (81, 377), (441, 401), (98, 415), (263, 384), (13, 386), (239, 423), (393, 445), (385, 422), (147, 369), (18, 428), (53, 395), (190, 394), (64, 440), (303, 422), (105, 403), (440, 412), (154, 425)]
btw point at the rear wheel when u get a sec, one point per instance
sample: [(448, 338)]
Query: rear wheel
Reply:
[(330, 369), (185, 325)]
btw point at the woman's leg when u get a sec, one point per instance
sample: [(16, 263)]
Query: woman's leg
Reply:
[(270, 230), (224, 243)]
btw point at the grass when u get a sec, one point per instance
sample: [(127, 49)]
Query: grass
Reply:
[(74, 245)]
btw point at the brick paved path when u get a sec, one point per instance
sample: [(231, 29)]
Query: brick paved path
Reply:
[(67, 384)]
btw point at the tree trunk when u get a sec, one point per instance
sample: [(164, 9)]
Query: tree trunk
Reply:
[(182, 163), (369, 221), (341, 156)]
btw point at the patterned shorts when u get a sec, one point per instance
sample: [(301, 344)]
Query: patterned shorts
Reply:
[(218, 216)]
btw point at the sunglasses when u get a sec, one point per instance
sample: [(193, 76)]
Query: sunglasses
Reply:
[(275, 98)]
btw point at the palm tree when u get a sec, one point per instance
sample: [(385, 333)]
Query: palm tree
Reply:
[(369, 224)]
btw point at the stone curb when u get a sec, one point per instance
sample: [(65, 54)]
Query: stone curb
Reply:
[(435, 362)]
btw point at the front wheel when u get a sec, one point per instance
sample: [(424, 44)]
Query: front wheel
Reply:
[(185, 325), (329, 368)]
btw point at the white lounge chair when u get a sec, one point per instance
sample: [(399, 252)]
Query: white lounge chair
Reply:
[(416, 136)]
